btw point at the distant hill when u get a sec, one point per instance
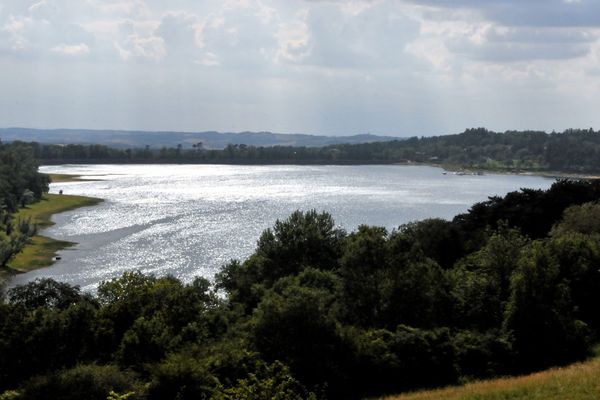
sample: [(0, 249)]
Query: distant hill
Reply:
[(210, 140)]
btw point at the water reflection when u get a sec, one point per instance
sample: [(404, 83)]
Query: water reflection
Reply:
[(188, 220)]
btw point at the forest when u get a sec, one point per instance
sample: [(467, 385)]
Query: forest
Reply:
[(20, 185), (574, 150), (510, 286)]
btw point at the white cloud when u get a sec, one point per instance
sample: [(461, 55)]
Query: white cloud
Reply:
[(71, 49), (13, 37), (118, 7), (142, 47), (38, 6), (209, 60), (178, 30)]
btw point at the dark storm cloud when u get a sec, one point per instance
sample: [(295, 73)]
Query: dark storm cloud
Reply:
[(524, 30), (522, 44), (540, 13)]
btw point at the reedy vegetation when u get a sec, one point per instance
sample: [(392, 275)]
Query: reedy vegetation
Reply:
[(318, 312)]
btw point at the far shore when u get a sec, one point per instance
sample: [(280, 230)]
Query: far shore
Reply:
[(60, 178), (523, 172)]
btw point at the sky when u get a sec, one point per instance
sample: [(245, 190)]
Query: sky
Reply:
[(389, 67)]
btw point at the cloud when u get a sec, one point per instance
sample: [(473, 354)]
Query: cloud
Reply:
[(240, 35), (233, 35), (540, 13), (209, 59), (341, 66), (351, 35), (44, 9), (141, 47), (12, 34), (500, 44), (179, 30), (71, 49), (39, 33), (502, 31), (117, 8)]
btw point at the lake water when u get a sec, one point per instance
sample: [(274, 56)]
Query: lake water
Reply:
[(188, 220)]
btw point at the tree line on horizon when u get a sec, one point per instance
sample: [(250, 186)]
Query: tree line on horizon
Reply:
[(509, 287), (574, 150)]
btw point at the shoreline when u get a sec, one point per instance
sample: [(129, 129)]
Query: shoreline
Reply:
[(41, 250), (541, 173), (61, 178)]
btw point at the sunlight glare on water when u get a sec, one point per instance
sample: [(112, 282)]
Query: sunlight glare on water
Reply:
[(188, 220)]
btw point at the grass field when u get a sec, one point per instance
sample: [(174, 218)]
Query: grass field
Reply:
[(41, 250), (576, 382)]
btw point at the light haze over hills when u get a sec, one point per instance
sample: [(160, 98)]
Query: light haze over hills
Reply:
[(210, 140)]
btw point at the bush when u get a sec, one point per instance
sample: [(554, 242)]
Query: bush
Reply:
[(408, 358), (90, 382), (181, 377), (273, 382)]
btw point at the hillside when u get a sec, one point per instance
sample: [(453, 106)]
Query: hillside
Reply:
[(210, 140), (576, 382)]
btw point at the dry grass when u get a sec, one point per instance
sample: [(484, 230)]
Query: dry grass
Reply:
[(576, 382)]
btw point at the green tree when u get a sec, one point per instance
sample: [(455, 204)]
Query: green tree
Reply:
[(295, 323), (305, 239), (481, 281), (539, 315), (584, 218)]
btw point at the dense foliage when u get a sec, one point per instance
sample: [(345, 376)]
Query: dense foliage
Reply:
[(317, 312), (572, 151), (20, 184)]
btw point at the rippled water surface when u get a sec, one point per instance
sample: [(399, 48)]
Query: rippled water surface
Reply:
[(188, 220)]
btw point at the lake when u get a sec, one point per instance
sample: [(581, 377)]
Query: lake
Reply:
[(188, 220)]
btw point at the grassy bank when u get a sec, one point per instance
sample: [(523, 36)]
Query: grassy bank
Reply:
[(59, 178), (41, 250), (56, 178), (576, 382), (41, 212)]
